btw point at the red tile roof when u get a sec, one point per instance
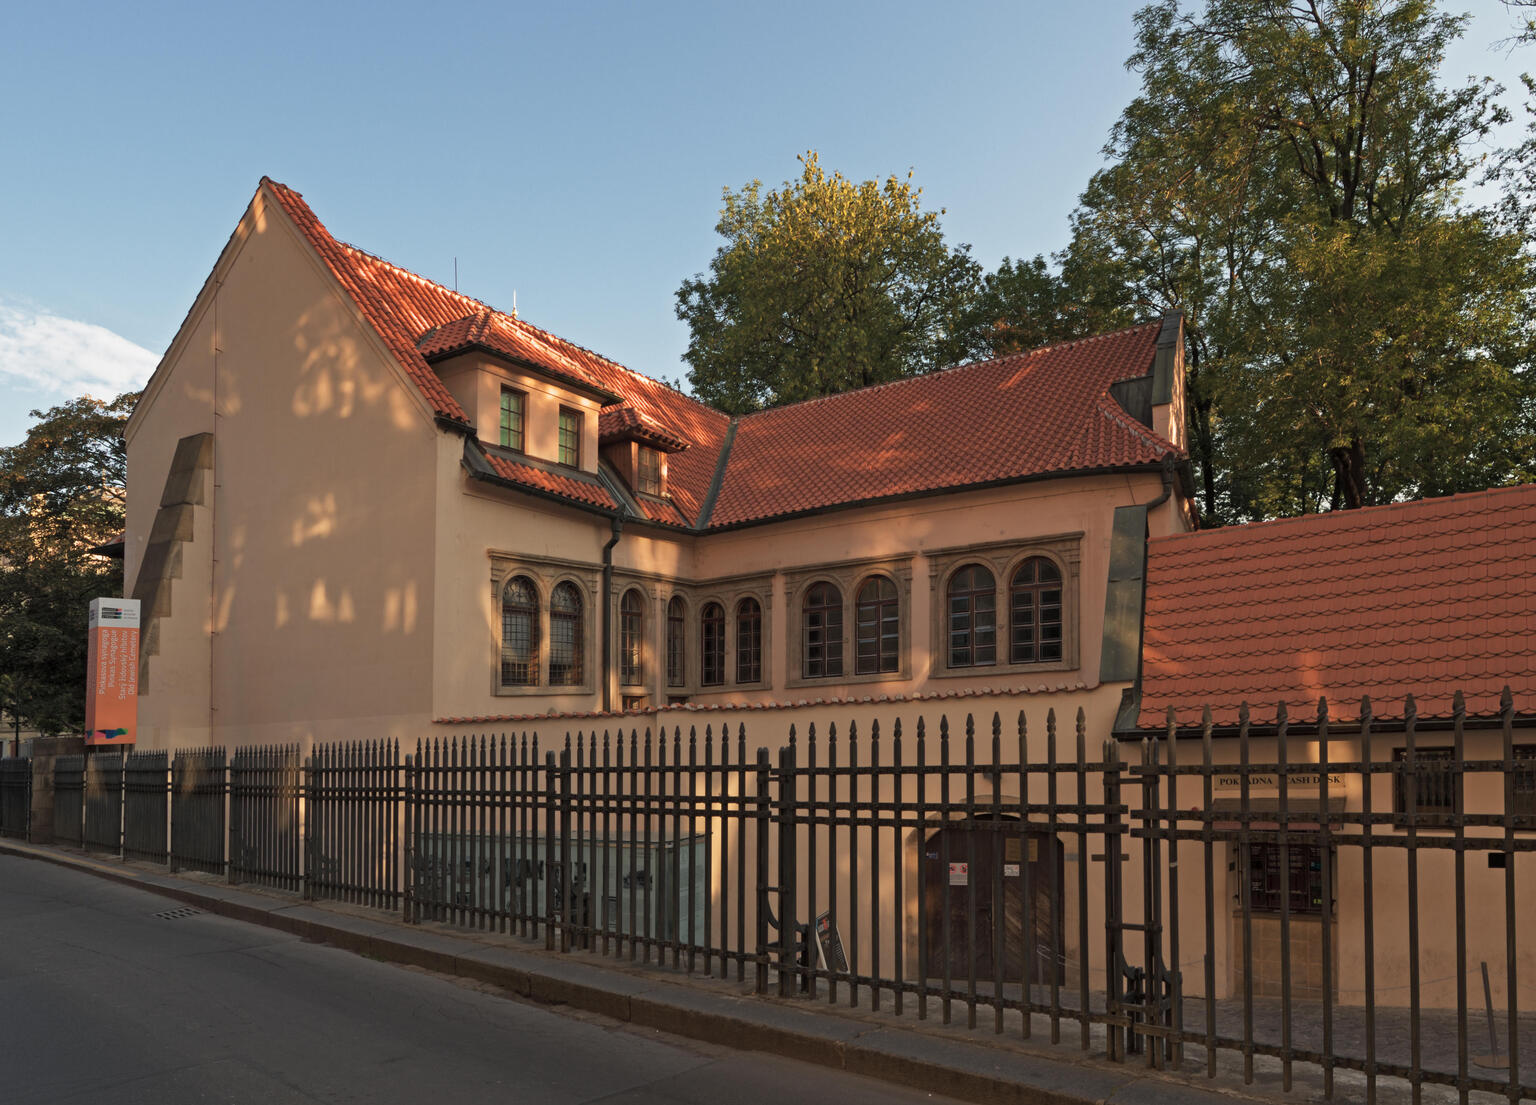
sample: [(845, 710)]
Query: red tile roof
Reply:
[(1423, 598), (569, 487), (619, 423), (1032, 414), (1046, 411)]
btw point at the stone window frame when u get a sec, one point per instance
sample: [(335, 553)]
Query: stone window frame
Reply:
[(848, 576), (728, 592), (546, 576), (646, 661), (1002, 559), (652, 637)]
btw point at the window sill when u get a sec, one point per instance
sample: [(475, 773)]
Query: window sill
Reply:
[(544, 689), (851, 680), (976, 670)]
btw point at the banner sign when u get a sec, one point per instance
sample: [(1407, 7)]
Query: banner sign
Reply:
[(112, 673)]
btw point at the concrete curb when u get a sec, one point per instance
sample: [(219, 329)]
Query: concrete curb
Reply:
[(967, 1069)]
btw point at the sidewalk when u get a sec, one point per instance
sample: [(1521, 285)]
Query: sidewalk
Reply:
[(951, 1060)]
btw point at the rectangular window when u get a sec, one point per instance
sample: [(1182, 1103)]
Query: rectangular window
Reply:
[(648, 476), (1269, 882), (512, 419), (1435, 782), (570, 437)]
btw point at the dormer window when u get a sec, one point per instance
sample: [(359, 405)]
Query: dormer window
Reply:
[(648, 472), (570, 437), (513, 405)]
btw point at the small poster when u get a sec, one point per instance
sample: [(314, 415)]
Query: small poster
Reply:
[(1010, 870), (959, 874)]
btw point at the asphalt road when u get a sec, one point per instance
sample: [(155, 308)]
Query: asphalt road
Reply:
[(111, 994)]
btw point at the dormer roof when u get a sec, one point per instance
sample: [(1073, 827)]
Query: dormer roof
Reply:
[(1033, 415)]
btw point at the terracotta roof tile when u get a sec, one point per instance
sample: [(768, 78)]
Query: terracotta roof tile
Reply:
[(623, 421), (1036, 413), (1423, 598), (569, 487), (1031, 414)]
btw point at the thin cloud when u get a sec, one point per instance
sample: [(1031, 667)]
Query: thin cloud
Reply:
[(64, 356)]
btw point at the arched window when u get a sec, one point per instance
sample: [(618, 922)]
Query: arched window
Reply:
[(632, 638), (877, 628), (712, 645), (972, 618), (519, 633), (567, 644), (822, 632), (676, 655), (749, 641), (1034, 612)]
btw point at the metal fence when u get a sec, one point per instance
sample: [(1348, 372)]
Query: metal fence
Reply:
[(264, 786), (1284, 893), (68, 799), (198, 784), (15, 797), (146, 806), (353, 813), (104, 802)]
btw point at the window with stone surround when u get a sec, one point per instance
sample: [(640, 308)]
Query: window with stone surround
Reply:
[(877, 627), (567, 637), (1034, 585), (632, 638), (712, 645), (749, 641), (519, 633), (677, 646), (821, 648)]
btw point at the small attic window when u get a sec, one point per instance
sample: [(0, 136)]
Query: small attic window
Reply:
[(648, 471), (512, 419), (570, 437)]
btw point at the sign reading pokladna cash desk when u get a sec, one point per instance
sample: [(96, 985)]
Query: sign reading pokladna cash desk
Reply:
[(112, 672)]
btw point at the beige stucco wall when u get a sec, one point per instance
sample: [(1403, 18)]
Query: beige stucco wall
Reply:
[(318, 613), (174, 701), (482, 529)]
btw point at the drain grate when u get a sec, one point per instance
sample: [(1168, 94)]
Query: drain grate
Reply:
[(178, 914)]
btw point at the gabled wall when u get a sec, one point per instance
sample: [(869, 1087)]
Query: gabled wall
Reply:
[(304, 609)]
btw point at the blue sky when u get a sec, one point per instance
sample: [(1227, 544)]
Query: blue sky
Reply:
[(573, 153)]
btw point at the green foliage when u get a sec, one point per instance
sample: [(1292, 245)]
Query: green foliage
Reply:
[(61, 493), (1290, 176), (1024, 305), (821, 286)]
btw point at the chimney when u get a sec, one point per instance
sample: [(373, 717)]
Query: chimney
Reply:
[(1168, 380)]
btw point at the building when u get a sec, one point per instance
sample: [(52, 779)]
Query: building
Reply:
[(1431, 600), (361, 503)]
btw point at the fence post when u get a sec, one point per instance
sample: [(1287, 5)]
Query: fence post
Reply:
[(549, 851), (762, 869), (788, 907), (408, 911), (1114, 982), (567, 868)]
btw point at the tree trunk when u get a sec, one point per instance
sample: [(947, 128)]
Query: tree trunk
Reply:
[(1349, 469)]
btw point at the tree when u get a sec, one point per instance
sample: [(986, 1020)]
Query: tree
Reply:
[(1290, 176), (821, 286), (1025, 304), (61, 494)]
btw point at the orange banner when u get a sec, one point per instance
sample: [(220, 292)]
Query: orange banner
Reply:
[(112, 672)]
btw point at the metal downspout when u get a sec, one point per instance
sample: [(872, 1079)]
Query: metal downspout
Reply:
[(607, 600)]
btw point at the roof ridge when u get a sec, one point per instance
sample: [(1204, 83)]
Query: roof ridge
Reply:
[(1344, 515), (403, 271), (947, 370), (524, 324)]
